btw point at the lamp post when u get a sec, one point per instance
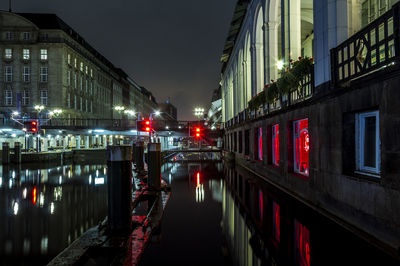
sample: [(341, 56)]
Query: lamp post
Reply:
[(38, 108)]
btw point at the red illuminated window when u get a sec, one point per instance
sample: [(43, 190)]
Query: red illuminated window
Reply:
[(301, 143), (275, 145), (301, 244), (259, 144), (260, 206), (276, 223)]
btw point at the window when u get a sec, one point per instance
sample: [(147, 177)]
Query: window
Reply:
[(75, 81), (275, 145), (26, 97), (75, 62), (8, 97), (276, 221), (301, 143), (69, 78), (91, 106), (368, 142), (81, 104), (9, 35), (86, 70), (82, 66), (26, 74), (81, 83), (8, 53), (258, 147), (86, 86), (43, 54), (8, 72), (91, 73), (69, 100), (26, 36), (44, 74), (86, 106), (69, 59), (25, 54), (75, 103), (43, 97), (91, 88), (302, 249), (240, 141)]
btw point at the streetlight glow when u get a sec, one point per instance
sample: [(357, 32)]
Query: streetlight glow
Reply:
[(280, 64)]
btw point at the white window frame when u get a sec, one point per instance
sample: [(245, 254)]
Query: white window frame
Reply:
[(10, 35), (8, 74), (26, 98), (8, 53), (43, 54), (26, 74), (26, 54), (44, 99), (360, 137), (26, 36), (274, 134), (8, 97), (44, 74), (295, 136)]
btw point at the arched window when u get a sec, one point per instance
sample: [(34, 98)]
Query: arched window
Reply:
[(247, 67), (259, 51)]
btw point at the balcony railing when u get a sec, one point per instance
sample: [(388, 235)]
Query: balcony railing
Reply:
[(373, 48)]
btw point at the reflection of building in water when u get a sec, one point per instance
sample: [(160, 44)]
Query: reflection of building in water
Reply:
[(44, 210)]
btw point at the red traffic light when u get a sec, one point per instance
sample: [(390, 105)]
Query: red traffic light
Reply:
[(197, 132), (31, 126), (144, 125)]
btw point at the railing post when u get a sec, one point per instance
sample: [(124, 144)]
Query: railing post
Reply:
[(138, 156), (119, 182), (6, 153), (154, 166), (17, 153)]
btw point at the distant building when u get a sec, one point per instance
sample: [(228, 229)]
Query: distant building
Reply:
[(46, 62)]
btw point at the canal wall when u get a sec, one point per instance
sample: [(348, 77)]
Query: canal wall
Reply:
[(365, 204)]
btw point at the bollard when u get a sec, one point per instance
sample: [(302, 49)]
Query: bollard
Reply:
[(154, 166), (17, 153), (6, 153), (138, 158), (119, 182)]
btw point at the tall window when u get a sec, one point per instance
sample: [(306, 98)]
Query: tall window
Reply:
[(26, 98), (69, 78), (301, 143), (258, 144), (86, 70), (43, 54), (8, 53), (86, 86), (75, 62), (8, 97), (81, 83), (91, 88), (81, 66), (26, 36), (69, 59), (91, 73), (25, 54), (43, 97), (81, 104), (8, 74), (75, 81), (368, 142), (9, 35), (275, 145), (69, 100), (75, 103), (91, 106), (44, 74), (26, 74), (86, 106)]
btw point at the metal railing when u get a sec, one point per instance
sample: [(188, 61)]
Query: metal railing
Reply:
[(374, 47)]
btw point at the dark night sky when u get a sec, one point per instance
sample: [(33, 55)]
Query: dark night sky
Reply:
[(171, 47)]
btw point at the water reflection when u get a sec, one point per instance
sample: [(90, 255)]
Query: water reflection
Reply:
[(43, 210), (265, 226)]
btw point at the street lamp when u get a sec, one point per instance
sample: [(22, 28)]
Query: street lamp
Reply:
[(38, 108), (119, 108), (55, 112), (129, 112), (199, 112)]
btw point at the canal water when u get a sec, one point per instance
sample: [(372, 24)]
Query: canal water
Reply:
[(43, 210), (216, 216)]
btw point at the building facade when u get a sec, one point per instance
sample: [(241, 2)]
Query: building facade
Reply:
[(45, 62), (309, 103)]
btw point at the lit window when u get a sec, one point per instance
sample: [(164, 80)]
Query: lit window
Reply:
[(69, 59), (302, 249), (8, 97), (368, 142), (44, 74), (86, 70), (81, 66), (276, 222), (43, 97), (26, 98), (75, 62), (26, 74), (8, 74), (301, 142), (43, 54), (8, 53), (259, 144), (26, 36), (25, 54), (275, 145), (91, 73)]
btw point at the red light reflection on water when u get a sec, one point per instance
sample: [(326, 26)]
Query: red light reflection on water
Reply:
[(34, 195)]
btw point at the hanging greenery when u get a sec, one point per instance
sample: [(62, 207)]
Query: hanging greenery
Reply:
[(289, 81)]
